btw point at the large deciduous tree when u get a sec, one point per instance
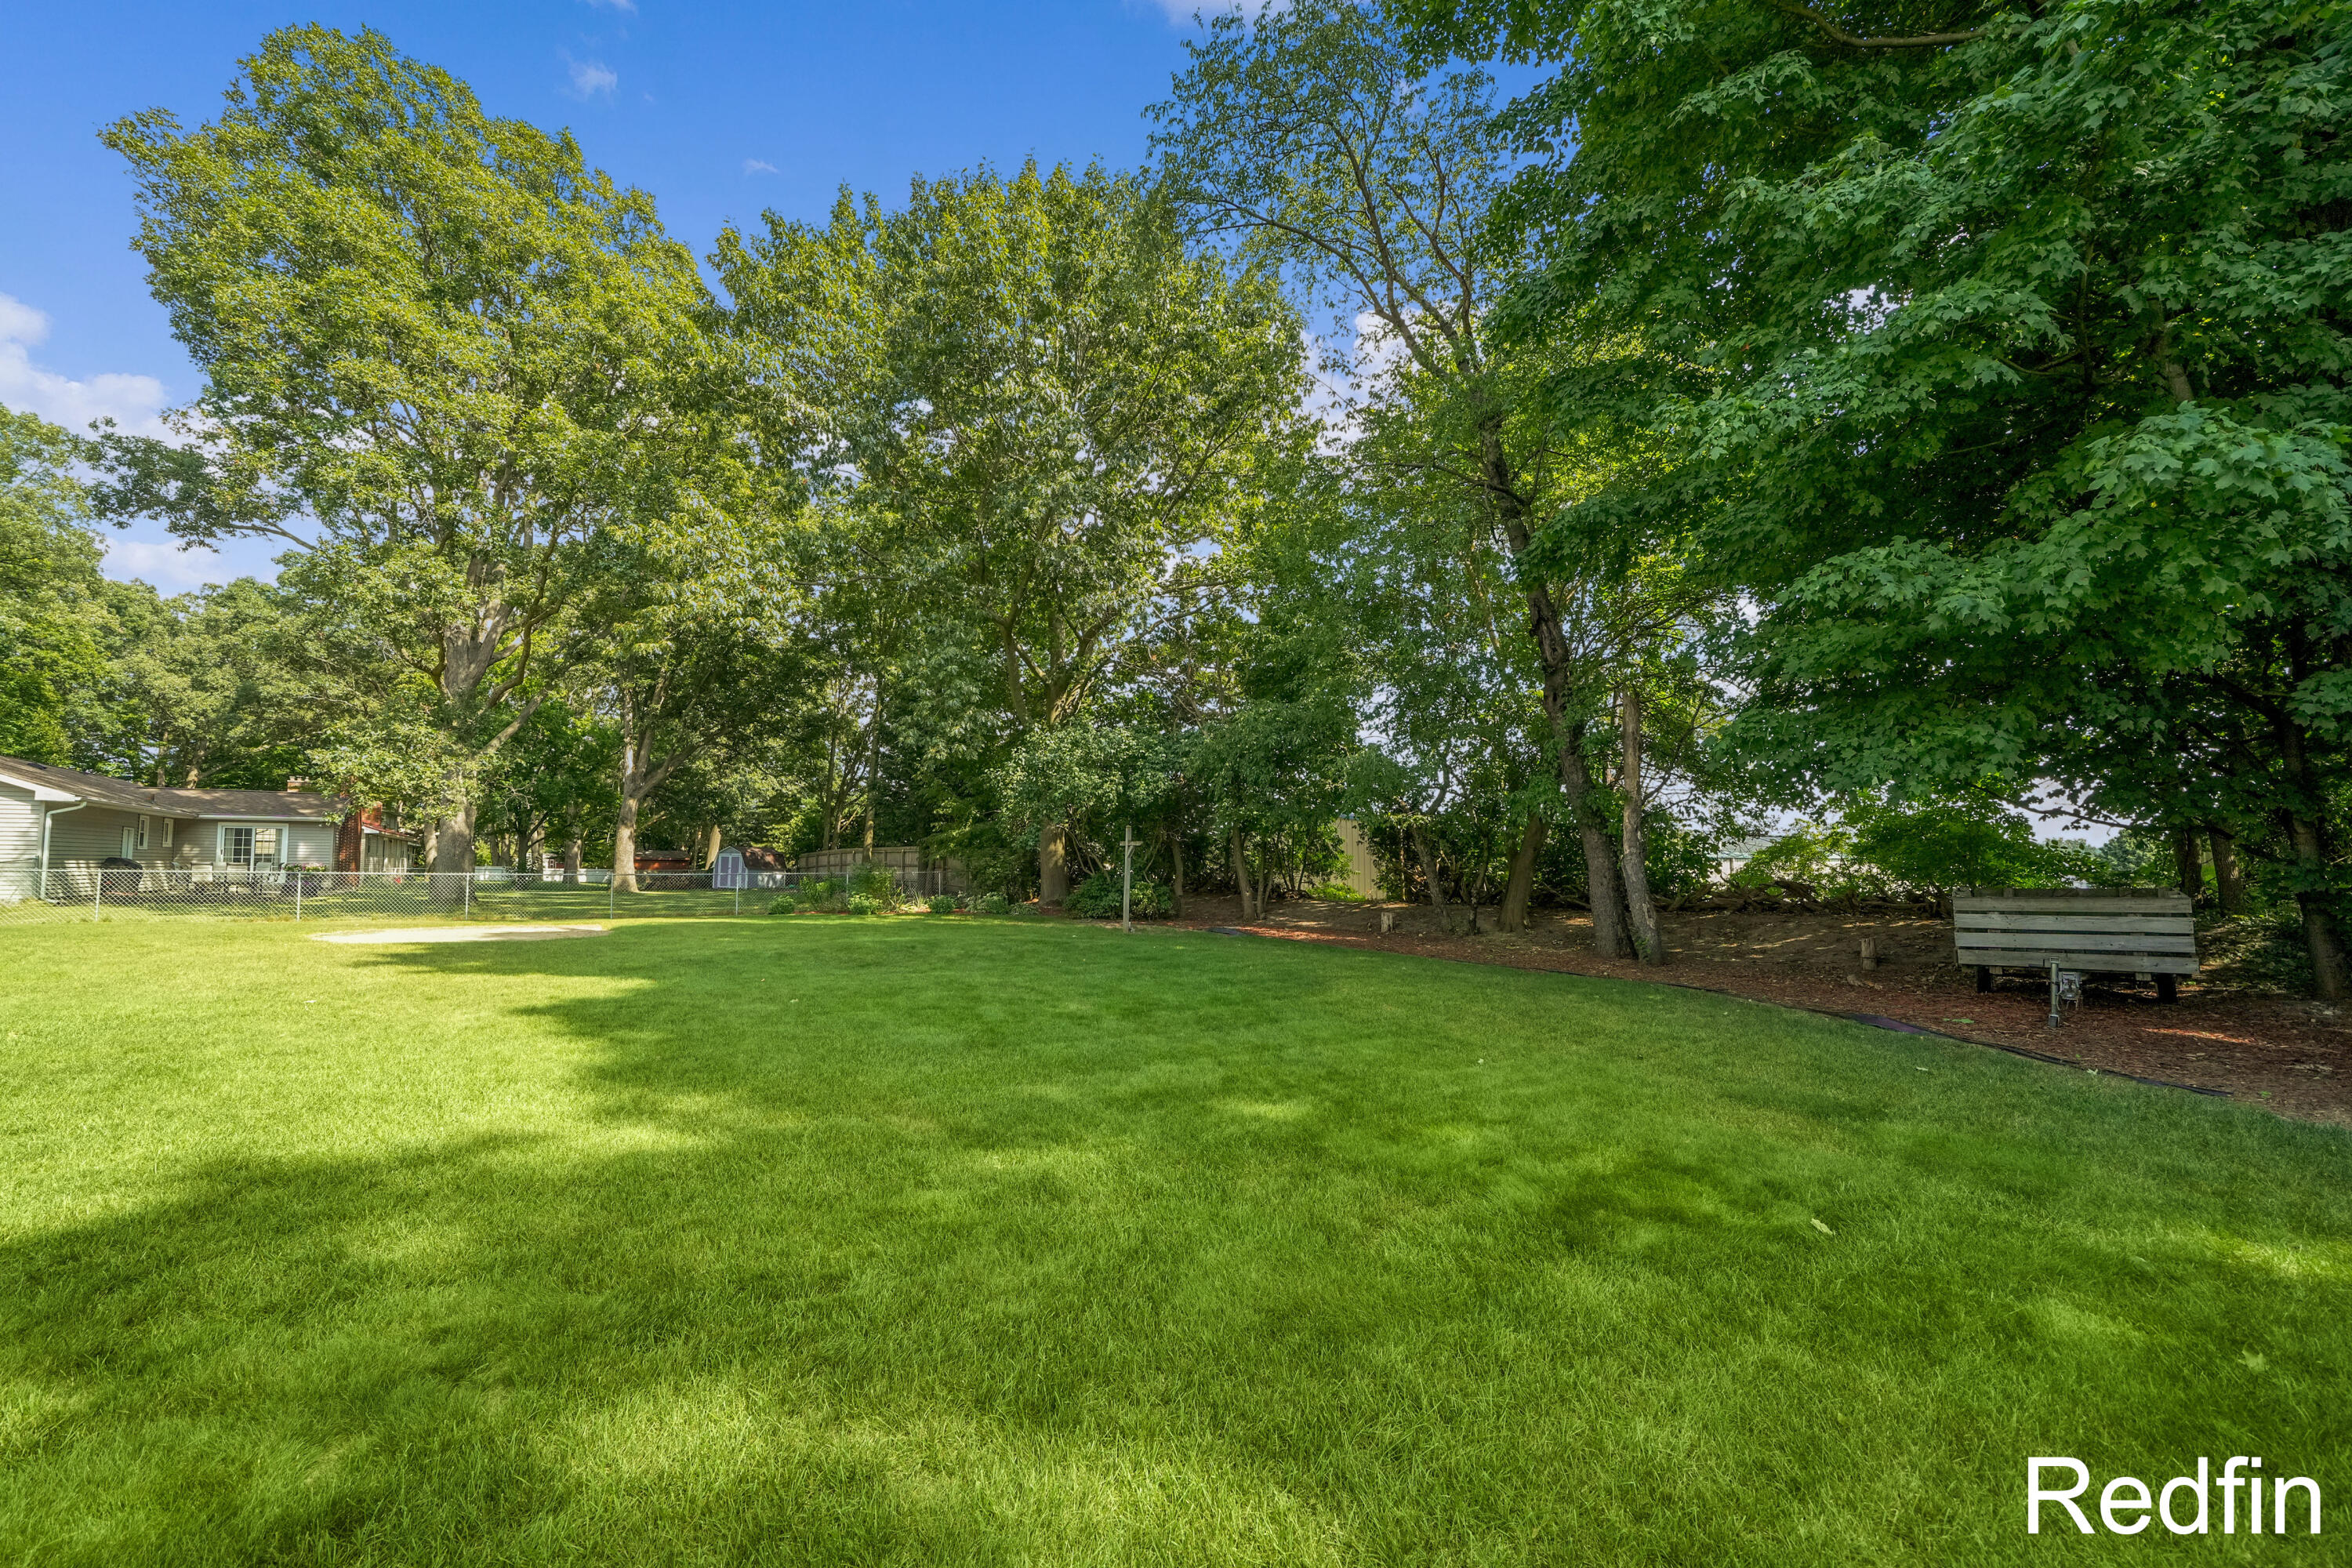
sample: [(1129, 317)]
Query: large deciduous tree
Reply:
[(53, 620), (439, 356), (2017, 397), (1316, 136), (1041, 400)]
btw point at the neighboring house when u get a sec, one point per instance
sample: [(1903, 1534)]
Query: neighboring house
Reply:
[(55, 818), (1733, 856)]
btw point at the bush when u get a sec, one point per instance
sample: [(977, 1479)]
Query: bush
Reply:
[(992, 904), (821, 892), (1963, 844), (941, 904), (1097, 899), (1338, 893), (860, 904), (878, 883), (783, 906)]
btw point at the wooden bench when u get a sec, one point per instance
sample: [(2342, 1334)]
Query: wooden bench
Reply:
[(2129, 930)]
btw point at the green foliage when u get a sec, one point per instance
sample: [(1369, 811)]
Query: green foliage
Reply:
[(1085, 775), (2136, 858), (1810, 852), (785, 905), (2004, 375), (53, 621), (1963, 843), (940, 903), (992, 904), (1680, 860), (464, 361), (863, 904), (1098, 899), (879, 885), (1339, 893)]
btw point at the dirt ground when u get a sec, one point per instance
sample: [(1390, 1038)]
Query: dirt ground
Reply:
[(2285, 1055)]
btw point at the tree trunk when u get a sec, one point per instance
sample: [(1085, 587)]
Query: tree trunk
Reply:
[(1053, 866), (2228, 885), (2306, 837), (2189, 871), (1250, 908), (625, 843), (453, 854), (710, 849), (1521, 887), (572, 849), (1649, 942), (1603, 892), (1602, 887), (1176, 869), (1431, 875)]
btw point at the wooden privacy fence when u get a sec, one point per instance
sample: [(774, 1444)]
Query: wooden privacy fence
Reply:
[(2143, 931), (916, 872)]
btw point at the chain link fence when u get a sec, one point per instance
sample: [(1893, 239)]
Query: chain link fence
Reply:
[(133, 893)]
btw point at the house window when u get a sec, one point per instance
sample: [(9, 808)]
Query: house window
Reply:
[(143, 833), (237, 846)]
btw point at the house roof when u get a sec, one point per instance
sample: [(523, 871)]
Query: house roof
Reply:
[(296, 805)]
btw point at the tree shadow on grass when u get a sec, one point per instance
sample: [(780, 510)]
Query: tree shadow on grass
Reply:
[(1016, 1247)]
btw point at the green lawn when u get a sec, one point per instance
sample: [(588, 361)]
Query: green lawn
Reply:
[(815, 1241)]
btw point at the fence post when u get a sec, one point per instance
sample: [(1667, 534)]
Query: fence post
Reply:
[(297, 898), (470, 895), (97, 896)]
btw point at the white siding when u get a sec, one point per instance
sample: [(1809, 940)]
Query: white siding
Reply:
[(85, 837), (311, 843), (20, 828)]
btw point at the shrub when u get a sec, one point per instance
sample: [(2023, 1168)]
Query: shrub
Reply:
[(821, 892), (860, 904), (941, 904), (1338, 893), (992, 904), (783, 906), (875, 882), (1964, 842), (1097, 899)]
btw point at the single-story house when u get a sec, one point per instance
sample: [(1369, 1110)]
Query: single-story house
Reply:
[(54, 818)]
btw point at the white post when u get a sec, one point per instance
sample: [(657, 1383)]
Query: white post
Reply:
[(469, 894), (298, 894), (1126, 880), (98, 891)]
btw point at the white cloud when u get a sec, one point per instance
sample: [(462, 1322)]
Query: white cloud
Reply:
[(759, 166), (133, 402), (628, 6), (590, 78)]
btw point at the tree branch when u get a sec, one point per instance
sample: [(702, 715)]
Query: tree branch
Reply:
[(1856, 41)]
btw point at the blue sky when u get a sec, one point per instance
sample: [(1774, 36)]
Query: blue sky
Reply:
[(721, 110)]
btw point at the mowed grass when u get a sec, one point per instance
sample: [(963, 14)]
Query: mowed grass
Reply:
[(818, 1241)]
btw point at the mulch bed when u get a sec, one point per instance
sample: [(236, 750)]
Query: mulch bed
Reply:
[(2282, 1053)]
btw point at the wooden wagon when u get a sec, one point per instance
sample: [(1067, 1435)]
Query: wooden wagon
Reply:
[(2142, 931)]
